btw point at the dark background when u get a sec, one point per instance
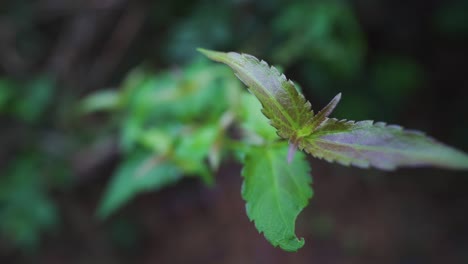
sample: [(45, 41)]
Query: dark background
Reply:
[(403, 62)]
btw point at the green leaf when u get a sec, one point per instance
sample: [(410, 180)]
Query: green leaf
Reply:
[(322, 32), (199, 93), (276, 192), (194, 147), (102, 100), (138, 173), (286, 108), (365, 143)]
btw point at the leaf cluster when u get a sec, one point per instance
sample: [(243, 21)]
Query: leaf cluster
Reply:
[(185, 122)]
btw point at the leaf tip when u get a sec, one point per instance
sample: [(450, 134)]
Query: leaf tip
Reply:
[(292, 245), (334, 102), (202, 50), (213, 55), (338, 96), (323, 114)]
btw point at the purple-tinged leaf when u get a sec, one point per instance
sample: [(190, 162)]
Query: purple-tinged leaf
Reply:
[(363, 144), (368, 144), (322, 115), (286, 108)]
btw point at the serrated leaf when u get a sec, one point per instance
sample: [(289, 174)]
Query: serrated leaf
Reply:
[(362, 144), (286, 108), (276, 192), (139, 172), (382, 146)]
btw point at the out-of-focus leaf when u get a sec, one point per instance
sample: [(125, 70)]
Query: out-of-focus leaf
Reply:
[(204, 90), (139, 172), (324, 31), (286, 108), (157, 139), (6, 92), (207, 25), (276, 192), (193, 149), (133, 80), (382, 146), (102, 100), (181, 150), (175, 98), (131, 132)]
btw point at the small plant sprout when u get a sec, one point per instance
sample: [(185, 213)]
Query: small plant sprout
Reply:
[(177, 126), (275, 188)]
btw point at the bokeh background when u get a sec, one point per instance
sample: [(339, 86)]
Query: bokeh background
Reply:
[(402, 62)]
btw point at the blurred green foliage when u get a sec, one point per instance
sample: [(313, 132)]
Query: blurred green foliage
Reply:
[(175, 117), (323, 32), (171, 123), (25, 209), (451, 18), (38, 165)]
